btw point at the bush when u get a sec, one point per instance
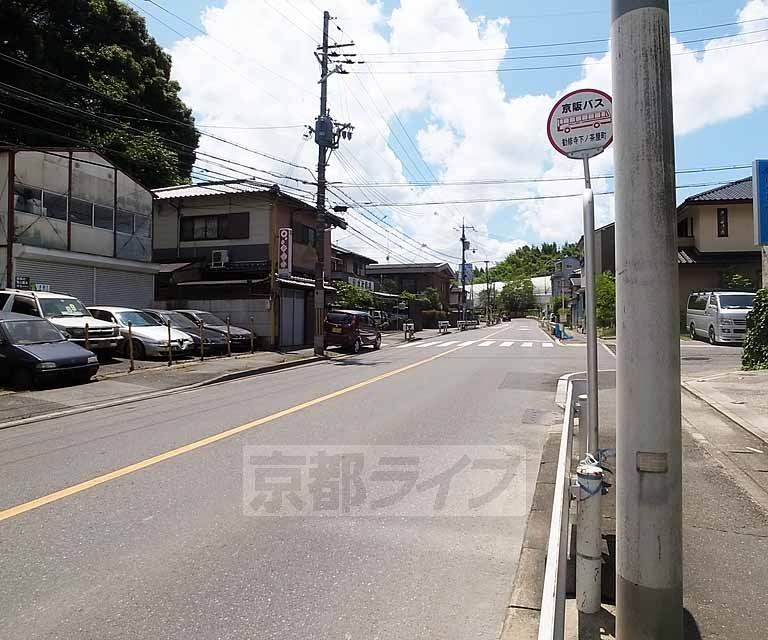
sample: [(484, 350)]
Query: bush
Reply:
[(755, 354), (430, 318)]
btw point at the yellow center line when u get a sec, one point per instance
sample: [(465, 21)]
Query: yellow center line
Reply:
[(198, 444)]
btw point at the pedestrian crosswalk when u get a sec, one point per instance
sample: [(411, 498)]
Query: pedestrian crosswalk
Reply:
[(485, 344)]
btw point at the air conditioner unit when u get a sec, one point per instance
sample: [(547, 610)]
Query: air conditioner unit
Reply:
[(219, 258)]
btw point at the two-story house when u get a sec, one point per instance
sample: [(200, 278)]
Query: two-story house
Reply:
[(217, 242), (716, 239), (72, 222), (351, 267), (415, 278)]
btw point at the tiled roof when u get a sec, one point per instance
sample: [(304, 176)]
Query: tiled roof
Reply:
[(224, 187), (733, 191)]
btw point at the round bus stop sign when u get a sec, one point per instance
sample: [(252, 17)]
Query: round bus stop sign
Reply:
[(581, 123)]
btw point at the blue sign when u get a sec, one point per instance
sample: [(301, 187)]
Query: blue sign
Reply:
[(760, 200)]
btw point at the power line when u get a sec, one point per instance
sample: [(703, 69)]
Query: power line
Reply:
[(557, 55), (141, 109), (521, 199), (287, 19), (500, 181), (552, 44), (545, 67)]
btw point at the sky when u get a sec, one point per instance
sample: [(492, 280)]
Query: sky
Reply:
[(451, 92)]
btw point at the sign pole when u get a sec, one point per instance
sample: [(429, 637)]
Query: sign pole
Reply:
[(589, 285)]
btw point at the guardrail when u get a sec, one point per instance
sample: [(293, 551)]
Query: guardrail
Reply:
[(552, 617), (409, 328), (443, 326)]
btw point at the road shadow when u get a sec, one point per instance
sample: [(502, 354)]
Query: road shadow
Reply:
[(353, 362), (595, 626), (690, 626)]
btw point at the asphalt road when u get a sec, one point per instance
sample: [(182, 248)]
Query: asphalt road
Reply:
[(141, 522)]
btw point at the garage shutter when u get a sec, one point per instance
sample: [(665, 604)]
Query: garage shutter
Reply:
[(73, 280), (124, 288)]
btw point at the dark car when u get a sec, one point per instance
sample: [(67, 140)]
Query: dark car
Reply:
[(241, 338), (213, 341), (32, 350), (351, 330)]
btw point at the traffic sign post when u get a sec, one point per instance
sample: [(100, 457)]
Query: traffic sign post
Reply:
[(580, 127), (760, 204)]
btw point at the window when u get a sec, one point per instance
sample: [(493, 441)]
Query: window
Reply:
[(63, 308), (27, 199), (81, 212), (231, 226), (685, 228), (305, 235), (24, 305), (3, 299), (238, 225), (102, 217), (143, 225), (55, 205), (124, 221), (722, 223)]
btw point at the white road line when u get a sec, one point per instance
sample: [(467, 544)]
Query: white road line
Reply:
[(449, 343), (527, 344), (467, 343), (428, 344), (507, 344), (547, 345), (405, 346), (487, 343), (523, 328)]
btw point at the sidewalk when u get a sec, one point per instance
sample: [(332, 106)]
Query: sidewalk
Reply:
[(740, 396), (725, 532)]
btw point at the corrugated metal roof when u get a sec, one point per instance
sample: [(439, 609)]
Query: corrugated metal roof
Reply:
[(738, 190), (211, 189)]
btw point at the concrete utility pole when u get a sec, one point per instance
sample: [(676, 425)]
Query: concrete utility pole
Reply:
[(487, 294), (321, 164), (464, 247), (649, 580), (327, 134)]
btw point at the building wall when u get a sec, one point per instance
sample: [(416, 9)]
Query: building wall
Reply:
[(741, 233), (240, 311), (4, 184), (86, 182), (168, 244), (304, 256)]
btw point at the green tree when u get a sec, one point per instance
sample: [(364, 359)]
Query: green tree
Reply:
[(531, 260), (432, 298), (755, 353), (734, 281), (605, 299), (516, 296), (351, 296), (104, 45)]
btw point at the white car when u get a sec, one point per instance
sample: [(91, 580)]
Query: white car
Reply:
[(68, 314), (150, 338), (721, 316)]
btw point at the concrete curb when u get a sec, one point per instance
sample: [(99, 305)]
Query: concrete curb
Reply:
[(227, 377), (726, 413)]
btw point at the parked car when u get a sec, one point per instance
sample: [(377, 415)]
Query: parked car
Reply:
[(351, 330), (150, 337), (213, 341), (241, 338), (381, 318), (721, 316), (33, 350), (68, 314)]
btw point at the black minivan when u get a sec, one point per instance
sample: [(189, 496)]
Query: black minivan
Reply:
[(32, 350)]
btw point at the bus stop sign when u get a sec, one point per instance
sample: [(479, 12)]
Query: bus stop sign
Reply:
[(581, 123)]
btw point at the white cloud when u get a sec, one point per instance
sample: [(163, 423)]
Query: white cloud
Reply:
[(466, 126)]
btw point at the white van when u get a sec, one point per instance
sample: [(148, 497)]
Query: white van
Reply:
[(68, 314), (720, 316)]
